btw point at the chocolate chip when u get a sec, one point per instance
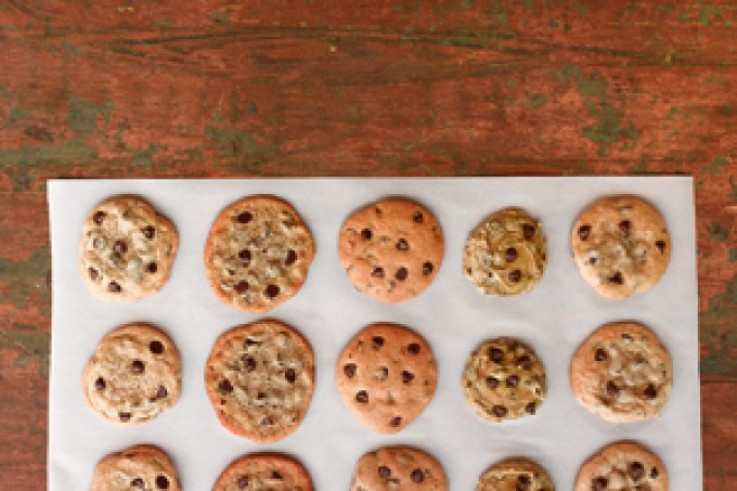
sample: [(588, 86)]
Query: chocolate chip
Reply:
[(584, 231), (660, 244), (98, 217), (120, 247), (250, 342), (93, 273), (616, 278), (496, 355), (593, 261), (402, 245), (350, 370), (291, 257), (401, 274), (276, 476), (654, 473), (650, 392), (418, 217), (272, 291), (225, 387), (636, 471), (512, 381), (138, 483), (524, 362), (362, 396), (500, 411), (149, 232), (427, 268), (114, 287), (152, 268), (600, 355), (366, 234), (124, 417), (245, 257), (378, 272), (261, 396), (162, 392), (267, 421), (492, 382), (599, 484), (510, 254), (407, 377), (137, 367), (624, 226), (100, 384), (523, 482), (417, 476), (377, 342), (515, 276), (245, 217), (627, 337), (528, 231), (241, 287), (156, 347), (611, 389), (395, 421), (384, 472), (243, 482), (162, 482), (530, 408), (249, 364), (290, 375), (413, 348)]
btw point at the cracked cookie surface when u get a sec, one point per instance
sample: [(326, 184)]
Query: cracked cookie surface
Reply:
[(398, 468), (623, 466), (143, 467), (515, 475), (264, 472)]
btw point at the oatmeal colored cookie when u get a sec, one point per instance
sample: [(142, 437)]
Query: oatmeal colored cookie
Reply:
[(264, 472), (398, 468), (141, 467), (623, 465), (515, 475)]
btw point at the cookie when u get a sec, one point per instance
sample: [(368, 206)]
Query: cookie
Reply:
[(621, 246), (134, 374), (391, 249), (504, 379), (397, 468), (127, 249), (259, 378), (622, 373), (505, 254), (386, 377), (140, 467), (258, 253), (622, 465), (262, 472), (515, 475)]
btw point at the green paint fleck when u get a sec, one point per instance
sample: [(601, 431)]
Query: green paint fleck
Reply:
[(580, 7), (642, 167), (145, 157), (537, 100), (23, 283), (666, 7), (181, 128), (717, 165), (553, 24), (82, 114), (733, 255), (30, 344), (669, 58), (251, 108), (512, 83), (733, 189), (16, 114), (717, 333), (718, 232), (707, 13), (468, 4), (727, 110)]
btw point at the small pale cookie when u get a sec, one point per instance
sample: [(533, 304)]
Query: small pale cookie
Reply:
[(504, 379), (264, 472), (397, 468), (258, 253), (515, 475), (623, 465), (259, 379), (622, 373), (505, 254), (621, 245), (134, 374), (391, 249), (386, 377), (127, 249), (140, 467)]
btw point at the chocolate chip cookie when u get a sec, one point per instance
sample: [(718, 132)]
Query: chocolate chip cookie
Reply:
[(391, 249), (259, 378), (134, 374), (258, 253), (386, 377), (622, 465), (504, 379), (127, 249), (140, 467), (622, 373), (397, 468), (621, 245), (515, 475), (263, 472), (505, 254)]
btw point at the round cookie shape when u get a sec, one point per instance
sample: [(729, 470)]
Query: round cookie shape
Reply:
[(622, 465), (386, 377), (504, 379), (258, 253), (398, 468), (621, 246), (622, 373), (127, 249), (139, 467), (391, 249), (264, 472), (515, 475), (259, 379), (133, 375), (505, 254)]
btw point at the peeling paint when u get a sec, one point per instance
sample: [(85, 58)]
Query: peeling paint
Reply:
[(30, 344), (21, 282), (733, 255), (537, 100), (145, 157), (718, 232), (82, 115), (716, 166), (720, 339)]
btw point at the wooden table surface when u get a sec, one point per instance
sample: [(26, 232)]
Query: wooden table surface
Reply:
[(405, 88)]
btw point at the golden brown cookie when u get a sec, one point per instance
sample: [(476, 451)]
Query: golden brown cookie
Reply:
[(398, 468), (264, 472), (127, 249), (622, 373), (621, 245), (134, 375), (623, 465), (505, 254), (258, 253), (386, 377), (140, 467), (259, 379), (515, 475), (391, 249), (504, 379)]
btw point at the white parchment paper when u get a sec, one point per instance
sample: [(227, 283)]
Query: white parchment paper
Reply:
[(554, 318)]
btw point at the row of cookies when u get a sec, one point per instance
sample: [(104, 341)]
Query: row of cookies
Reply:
[(620, 465), (259, 250)]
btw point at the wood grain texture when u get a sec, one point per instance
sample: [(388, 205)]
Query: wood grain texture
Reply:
[(214, 88)]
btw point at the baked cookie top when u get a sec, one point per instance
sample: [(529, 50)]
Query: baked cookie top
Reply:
[(397, 468), (136, 468), (504, 379), (621, 245), (391, 249), (264, 472), (515, 475), (258, 253), (133, 375), (505, 254), (259, 378), (623, 465), (386, 376), (127, 249), (622, 373)]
